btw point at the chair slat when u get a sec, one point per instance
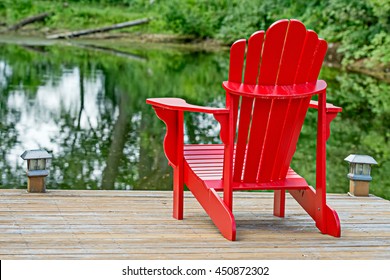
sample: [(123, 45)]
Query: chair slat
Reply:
[(275, 132), (280, 163), (272, 52), (237, 53), (253, 54), (242, 136), (295, 39), (317, 61), (256, 138), (255, 44), (307, 56), (295, 134)]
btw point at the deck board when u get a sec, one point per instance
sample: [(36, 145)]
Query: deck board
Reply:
[(67, 224)]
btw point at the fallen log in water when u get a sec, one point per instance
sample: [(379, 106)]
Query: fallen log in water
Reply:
[(96, 30), (111, 51), (29, 20)]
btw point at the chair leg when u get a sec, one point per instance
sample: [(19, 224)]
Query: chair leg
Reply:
[(330, 223), (221, 215), (279, 203), (178, 193), (333, 226)]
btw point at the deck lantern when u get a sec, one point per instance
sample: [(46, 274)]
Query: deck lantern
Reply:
[(38, 162), (359, 174)]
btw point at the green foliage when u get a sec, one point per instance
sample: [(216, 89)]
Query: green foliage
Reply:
[(361, 27), (198, 18), (74, 15)]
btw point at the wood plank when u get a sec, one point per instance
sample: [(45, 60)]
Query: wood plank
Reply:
[(138, 225)]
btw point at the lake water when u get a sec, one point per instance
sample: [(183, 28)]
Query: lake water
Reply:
[(87, 107)]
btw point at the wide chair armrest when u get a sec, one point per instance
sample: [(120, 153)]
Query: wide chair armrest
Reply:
[(330, 108), (331, 112), (181, 105), (171, 111)]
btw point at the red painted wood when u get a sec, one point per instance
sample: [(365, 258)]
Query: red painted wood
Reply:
[(275, 92), (242, 136), (319, 55), (331, 113), (286, 144), (321, 164), (306, 59), (330, 108), (333, 226), (253, 55), (223, 118), (178, 183), (272, 53), (237, 54), (307, 199), (266, 104), (206, 148), (257, 136), (228, 160), (279, 203), (273, 137), (222, 216), (299, 119), (295, 38), (169, 117), (269, 68), (179, 104)]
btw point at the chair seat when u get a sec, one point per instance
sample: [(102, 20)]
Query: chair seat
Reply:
[(206, 160)]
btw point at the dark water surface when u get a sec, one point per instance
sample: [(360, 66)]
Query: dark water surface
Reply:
[(87, 107)]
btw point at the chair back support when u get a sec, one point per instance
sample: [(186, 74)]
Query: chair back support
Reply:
[(267, 127)]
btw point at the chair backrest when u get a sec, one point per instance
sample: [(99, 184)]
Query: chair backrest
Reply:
[(267, 129)]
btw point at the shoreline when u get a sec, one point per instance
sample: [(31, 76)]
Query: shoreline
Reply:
[(181, 42)]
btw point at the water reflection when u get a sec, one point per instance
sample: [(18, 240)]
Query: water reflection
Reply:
[(88, 108)]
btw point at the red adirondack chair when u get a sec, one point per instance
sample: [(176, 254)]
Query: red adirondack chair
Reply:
[(266, 103)]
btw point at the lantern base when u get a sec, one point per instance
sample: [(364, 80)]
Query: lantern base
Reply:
[(359, 188), (36, 184)]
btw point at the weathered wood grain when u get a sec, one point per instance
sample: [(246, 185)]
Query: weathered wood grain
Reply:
[(65, 224)]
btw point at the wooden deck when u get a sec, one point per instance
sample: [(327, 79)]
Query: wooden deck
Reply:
[(138, 225)]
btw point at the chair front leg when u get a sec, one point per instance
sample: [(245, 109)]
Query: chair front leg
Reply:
[(173, 149), (178, 175)]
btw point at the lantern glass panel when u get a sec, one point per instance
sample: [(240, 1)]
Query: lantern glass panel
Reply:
[(42, 164), (359, 169), (352, 168), (37, 164), (366, 169)]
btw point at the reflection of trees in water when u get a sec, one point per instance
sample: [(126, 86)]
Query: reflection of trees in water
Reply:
[(123, 149), (118, 139)]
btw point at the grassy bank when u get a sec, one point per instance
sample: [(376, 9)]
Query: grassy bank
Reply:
[(360, 29)]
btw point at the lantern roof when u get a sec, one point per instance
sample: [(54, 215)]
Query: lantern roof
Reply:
[(360, 159), (36, 154)]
